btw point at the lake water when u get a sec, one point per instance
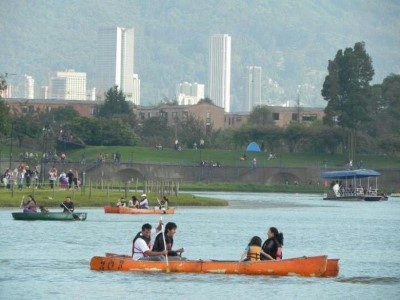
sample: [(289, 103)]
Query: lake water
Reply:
[(50, 260)]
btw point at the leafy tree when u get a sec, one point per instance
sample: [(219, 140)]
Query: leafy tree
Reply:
[(261, 116), (155, 130), (3, 84), (5, 118), (391, 95), (294, 133), (26, 126), (114, 103), (206, 100), (191, 130), (346, 88)]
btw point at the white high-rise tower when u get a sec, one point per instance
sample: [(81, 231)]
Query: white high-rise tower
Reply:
[(115, 52), (253, 87), (219, 78), (29, 87)]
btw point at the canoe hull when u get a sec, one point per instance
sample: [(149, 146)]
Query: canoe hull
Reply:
[(302, 266), (332, 268), (126, 210), (50, 216)]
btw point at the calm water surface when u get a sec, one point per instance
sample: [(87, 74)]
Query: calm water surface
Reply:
[(50, 260)]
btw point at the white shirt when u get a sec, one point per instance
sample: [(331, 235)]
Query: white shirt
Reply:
[(140, 247)]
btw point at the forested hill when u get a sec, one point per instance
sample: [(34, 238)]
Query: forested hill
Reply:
[(291, 40)]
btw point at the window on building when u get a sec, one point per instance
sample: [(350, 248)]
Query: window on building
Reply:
[(238, 119), (208, 118), (185, 115), (309, 118), (294, 116), (142, 116), (275, 116), (149, 115)]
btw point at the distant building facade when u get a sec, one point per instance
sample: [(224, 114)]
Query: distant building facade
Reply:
[(29, 87), (211, 115), (281, 116), (252, 87), (68, 85), (189, 93), (219, 76), (115, 61), (44, 92)]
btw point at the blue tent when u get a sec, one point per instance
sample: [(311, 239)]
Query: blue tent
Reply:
[(253, 147)]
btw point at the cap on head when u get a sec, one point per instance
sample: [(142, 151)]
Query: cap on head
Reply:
[(144, 195)]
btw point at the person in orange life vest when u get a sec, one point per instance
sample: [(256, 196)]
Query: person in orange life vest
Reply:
[(272, 247), (253, 250), (141, 245), (170, 230)]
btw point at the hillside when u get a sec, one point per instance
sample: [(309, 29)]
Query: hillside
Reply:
[(291, 40)]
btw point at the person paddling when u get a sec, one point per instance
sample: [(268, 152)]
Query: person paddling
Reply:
[(30, 205), (272, 247), (170, 230), (141, 245), (68, 205), (144, 203)]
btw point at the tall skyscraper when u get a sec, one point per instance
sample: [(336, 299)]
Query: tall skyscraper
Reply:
[(29, 90), (252, 87), (115, 54), (219, 78), (136, 89), (68, 85)]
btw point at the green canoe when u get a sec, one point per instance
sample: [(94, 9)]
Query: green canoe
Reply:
[(49, 216)]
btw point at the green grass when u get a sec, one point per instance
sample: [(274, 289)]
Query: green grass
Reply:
[(97, 198), (225, 157)]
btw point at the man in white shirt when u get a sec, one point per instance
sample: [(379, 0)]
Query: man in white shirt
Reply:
[(144, 203), (141, 245)]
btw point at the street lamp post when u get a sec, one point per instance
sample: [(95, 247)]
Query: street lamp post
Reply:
[(45, 132), (11, 142)]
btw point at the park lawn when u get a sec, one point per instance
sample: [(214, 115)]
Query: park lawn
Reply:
[(96, 198), (224, 157)]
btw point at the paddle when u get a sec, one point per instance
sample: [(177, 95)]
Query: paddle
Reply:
[(165, 247), (22, 202), (75, 216)]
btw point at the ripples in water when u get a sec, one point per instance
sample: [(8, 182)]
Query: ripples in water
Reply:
[(369, 280)]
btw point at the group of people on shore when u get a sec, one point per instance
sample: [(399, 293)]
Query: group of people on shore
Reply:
[(143, 249), (142, 203), (30, 206)]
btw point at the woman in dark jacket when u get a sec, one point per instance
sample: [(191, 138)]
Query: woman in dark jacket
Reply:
[(272, 247)]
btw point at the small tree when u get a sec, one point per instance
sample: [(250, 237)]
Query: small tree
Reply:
[(114, 104)]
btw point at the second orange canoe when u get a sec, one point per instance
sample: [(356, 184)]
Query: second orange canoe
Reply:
[(108, 209)]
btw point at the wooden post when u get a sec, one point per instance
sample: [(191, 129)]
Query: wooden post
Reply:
[(108, 192), (90, 190)]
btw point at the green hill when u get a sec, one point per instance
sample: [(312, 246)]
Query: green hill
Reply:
[(291, 40)]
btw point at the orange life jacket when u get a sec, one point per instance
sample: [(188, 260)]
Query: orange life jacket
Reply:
[(253, 254)]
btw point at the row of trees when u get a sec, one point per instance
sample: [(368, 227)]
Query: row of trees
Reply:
[(357, 116)]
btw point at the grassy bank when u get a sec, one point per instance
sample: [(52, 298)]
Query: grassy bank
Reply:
[(97, 198), (260, 188), (224, 157)]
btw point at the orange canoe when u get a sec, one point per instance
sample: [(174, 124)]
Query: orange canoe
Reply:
[(301, 266), (332, 268), (108, 209)]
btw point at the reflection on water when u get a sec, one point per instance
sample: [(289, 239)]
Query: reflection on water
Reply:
[(48, 260)]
